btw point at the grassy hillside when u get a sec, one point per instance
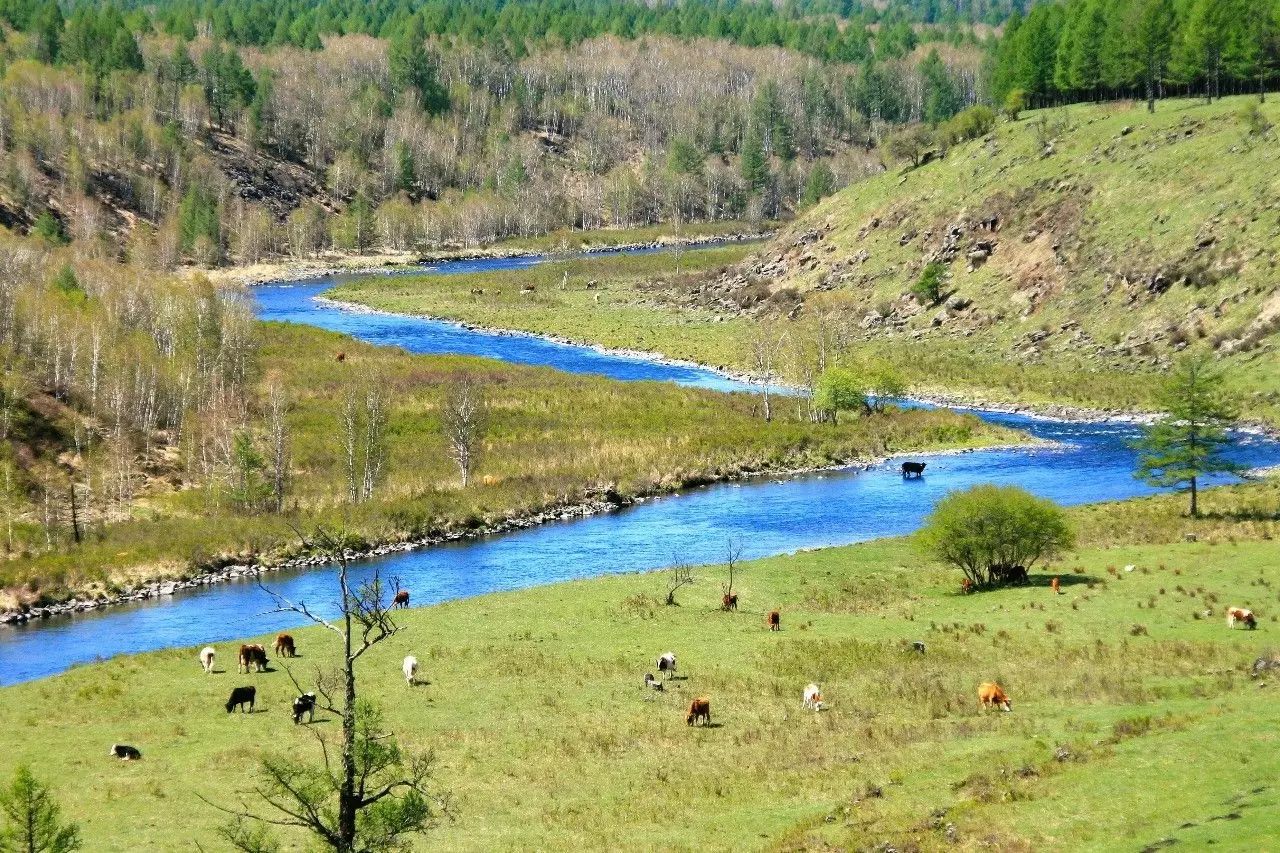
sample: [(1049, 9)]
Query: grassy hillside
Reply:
[(1134, 718), (554, 439)]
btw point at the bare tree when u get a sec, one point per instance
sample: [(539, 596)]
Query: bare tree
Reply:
[(679, 574), (766, 343), (363, 422), (464, 418), (381, 793), (277, 409), (375, 440), (732, 555)]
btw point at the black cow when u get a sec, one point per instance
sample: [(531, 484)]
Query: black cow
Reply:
[(913, 469), (124, 752), (304, 704), (240, 697)]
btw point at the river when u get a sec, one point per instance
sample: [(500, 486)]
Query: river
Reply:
[(1088, 462)]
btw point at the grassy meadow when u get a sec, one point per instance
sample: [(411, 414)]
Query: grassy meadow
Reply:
[(554, 439), (1134, 721)]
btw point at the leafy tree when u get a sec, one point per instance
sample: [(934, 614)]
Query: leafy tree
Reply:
[(820, 184), (754, 166), (1206, 38), (198, 218), (839, 390), (33, 821), (1191, 440), (1153, 44), (411, 67), (911, 143), (942, 98), (887, 382), (991, 528), (928, 289), (1014, 103), (684, 158), (48, 228), (250, 489)]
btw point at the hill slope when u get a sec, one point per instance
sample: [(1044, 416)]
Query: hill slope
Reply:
[(1092, 239)]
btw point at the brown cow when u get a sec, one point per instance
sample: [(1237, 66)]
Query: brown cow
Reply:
[(1057, 590), (990, 695), (774, 620), (342, 356), (401, 599), (252, 655), (285, 647), (699, 709), (729, 602)]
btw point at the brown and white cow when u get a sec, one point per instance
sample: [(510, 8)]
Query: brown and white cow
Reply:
[(699, 709), (1241, 615), (252, 655), (813, 698), (285, 647), (991, 695)]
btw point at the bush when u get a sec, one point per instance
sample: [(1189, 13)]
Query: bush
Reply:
[(910, 143), (928, 290), (1254, 122), (1014, 103), (992, 528), (975, 122)]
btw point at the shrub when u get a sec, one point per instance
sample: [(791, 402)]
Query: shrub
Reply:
[(1014, 103), (929, 288), (1254, 122), (974, 122), (988, 527)]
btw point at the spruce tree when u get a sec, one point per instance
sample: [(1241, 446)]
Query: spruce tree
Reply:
[(32, 820)]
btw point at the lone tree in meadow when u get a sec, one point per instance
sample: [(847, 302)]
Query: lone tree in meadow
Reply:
[(1192, 438), (32, 820), (839, 390), (988, 528), (464, 419), (367, 793)]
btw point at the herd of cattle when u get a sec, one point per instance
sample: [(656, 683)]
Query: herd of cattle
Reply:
[(253, 656)]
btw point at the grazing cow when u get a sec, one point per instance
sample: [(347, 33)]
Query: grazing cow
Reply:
[(410, 670), (813, 698), (206, 658), (990, 695), (913, 469), (729, 602), (774, 620), (667, 664), (1241, 614), (124, 752), (242, 696), (342, 356), (304, 704), (477, 291), (285, 647), (699, 709), (1057, 587), (401, 599), (252, 655), (966, 586), (918, 645), (652, 683)]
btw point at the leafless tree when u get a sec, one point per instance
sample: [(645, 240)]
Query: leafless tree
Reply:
[(277, 410), (766, 343), (464, 418), (732, 555), (381, 793), (363, 423), (679, 574)]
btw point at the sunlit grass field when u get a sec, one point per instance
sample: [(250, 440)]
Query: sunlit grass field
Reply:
[(1135, 719)]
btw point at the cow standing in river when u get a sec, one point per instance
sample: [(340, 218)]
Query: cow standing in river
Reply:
[(913, 470)]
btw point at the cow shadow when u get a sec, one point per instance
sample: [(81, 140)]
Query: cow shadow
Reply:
[(1064, 581), (709, 726)]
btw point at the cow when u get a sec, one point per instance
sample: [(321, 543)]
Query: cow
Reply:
[(342, 356), (729, 602), (913, 470), (206, 658), (699, 709), (124, 752), (652, 683), (252, 655), (917, 646), (966, 586), (667, 664), (401, 600), (1057, 587), (242, 696), (285, 647), (410, 670), (1241, 614), (990, 695), (774, 620), (304, 704), (812, 698)]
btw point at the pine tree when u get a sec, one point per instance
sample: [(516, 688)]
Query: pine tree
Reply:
[(1153, 44), (821, 183), (33, 820), (755, 167), (1206, 38), (411, 69)]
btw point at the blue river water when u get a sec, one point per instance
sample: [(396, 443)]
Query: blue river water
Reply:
[(1088, 462)]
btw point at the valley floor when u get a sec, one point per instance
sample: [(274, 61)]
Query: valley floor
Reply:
[(1135, 720)]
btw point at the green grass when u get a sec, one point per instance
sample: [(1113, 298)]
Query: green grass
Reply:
[(569, 239), (555, 439), (546, 741), (1118, 206)]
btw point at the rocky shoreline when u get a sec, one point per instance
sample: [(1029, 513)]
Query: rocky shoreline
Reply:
[(606, 502)]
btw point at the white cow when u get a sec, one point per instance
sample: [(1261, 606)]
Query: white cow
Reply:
[(667, 664), (206, 658), (813, 698), (410, 670)]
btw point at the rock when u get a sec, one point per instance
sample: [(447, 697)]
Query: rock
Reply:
[(959, 303)]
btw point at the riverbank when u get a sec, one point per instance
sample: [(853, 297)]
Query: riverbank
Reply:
[(533, 705)]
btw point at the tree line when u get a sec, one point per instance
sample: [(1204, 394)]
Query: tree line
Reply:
[(1084, 50)]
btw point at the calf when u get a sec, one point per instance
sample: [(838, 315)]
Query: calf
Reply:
[(124, 752), (240, 697), (410, 670), (285, 647), (990, 695), (401, 600), (667, 664), (1241, 614), (729, 602), (813, 698), (206, 658), (652, 683), (774, 620), (252, 655), (304, 704), (699, 709)]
